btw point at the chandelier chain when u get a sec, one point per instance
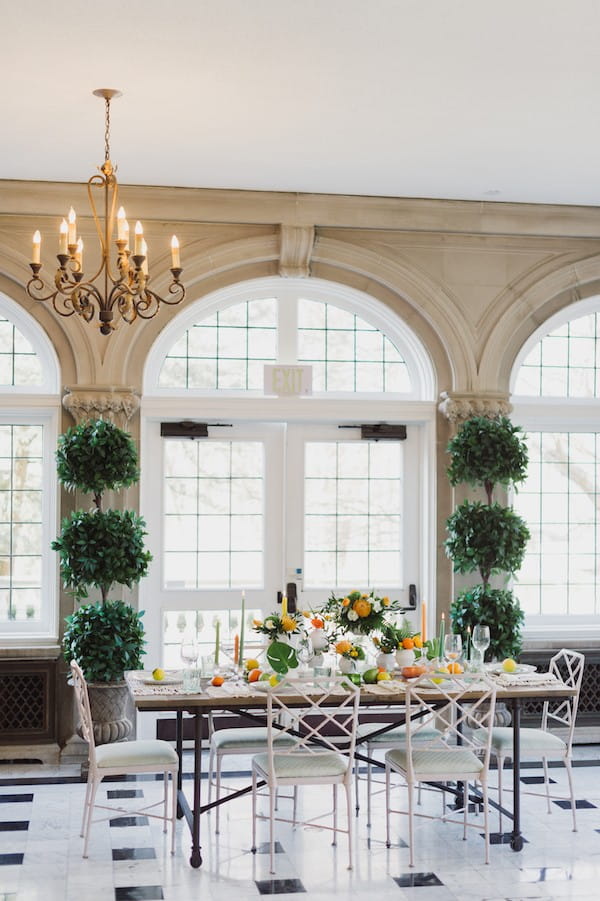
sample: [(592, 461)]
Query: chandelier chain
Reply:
[(107, 131)]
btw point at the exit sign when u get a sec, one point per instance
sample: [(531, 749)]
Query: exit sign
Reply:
[(288, 381)]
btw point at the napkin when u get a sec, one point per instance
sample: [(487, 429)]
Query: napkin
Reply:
[(527, 679), (385, 687)]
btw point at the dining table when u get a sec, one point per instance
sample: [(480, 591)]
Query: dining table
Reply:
[(249, 702)]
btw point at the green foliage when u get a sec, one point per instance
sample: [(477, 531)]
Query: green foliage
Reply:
[(99, 548), (282, 657), (488, 538), (95, 456), (493, 607), (105, 640), (488, 452)]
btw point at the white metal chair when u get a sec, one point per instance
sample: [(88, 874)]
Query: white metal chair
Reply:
[(381, 741), (240, 741), (320, 715), (452, 754), (542, 743), (123, 758)]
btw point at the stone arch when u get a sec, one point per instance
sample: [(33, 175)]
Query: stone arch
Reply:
[(538, 303)]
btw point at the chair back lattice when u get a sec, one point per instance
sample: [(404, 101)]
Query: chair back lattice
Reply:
[(458, 705), (83, 706), (567, 666), (317, 714)]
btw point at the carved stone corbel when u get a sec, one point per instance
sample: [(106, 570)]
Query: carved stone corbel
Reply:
[(117, 405), (295, 250), (459, 407)]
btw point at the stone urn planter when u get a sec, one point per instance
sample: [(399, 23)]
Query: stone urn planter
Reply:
[(110, 706)]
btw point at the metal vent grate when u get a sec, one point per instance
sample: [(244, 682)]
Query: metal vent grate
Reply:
[(27, 703)]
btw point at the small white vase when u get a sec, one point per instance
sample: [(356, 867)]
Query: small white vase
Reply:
[(346, 666), (387, 661), (318, 639), (405, 657)]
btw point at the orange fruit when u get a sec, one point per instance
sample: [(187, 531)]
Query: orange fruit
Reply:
[(408, 644), (254, 675), (455, 668), (217, 680)]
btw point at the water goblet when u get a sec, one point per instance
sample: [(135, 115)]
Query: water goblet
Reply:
[(481, 641), (452, 648), (189, 651)]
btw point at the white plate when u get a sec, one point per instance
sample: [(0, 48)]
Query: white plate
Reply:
[(168, 680), (518, 671)]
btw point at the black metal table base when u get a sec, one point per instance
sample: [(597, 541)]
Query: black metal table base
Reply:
[(192, 815)]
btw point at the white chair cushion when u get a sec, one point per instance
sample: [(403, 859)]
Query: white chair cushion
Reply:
[(532, 741), (394, 736), (304, 765), (240, 739), (150, 752), (443, 763)]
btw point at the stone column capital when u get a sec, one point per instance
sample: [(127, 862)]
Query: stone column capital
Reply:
[(459, 407), (101, 402)]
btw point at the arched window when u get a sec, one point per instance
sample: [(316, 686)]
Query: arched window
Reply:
[(29, 403), (285, 486), (557, 400)]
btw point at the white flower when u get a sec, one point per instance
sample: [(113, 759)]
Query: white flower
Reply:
[(352, 615), (377, 607), (270, 623)]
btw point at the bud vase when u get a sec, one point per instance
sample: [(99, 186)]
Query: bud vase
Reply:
[(405, 657)]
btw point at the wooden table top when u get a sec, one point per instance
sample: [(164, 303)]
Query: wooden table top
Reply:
[(162, 696)]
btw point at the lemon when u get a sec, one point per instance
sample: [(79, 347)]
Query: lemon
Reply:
[(383, 677), (158, 674), (509, 665), (251, 664), (274, 679)]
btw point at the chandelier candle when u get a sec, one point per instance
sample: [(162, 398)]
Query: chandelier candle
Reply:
[(118, 287)]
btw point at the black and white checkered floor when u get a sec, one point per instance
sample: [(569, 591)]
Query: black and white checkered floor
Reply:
[(40, 848)]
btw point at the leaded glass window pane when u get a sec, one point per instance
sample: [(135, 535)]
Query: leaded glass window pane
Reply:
[(214, 514), (565, 363)]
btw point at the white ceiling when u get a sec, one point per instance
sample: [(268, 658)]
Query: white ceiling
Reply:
[(471, 99)]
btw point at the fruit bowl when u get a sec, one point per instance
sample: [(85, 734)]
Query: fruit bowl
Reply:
[(412, 672)]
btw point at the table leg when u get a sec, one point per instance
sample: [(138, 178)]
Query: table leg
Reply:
[(179, 749), (196, 858), (516, 840)]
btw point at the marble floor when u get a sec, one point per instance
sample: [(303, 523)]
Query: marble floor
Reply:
[(40, 848)]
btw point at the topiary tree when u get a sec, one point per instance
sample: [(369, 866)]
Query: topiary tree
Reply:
[(100, 548), (488, 538)]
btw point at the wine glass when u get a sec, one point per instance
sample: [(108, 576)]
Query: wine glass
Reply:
[(189, 651), (481, 640), (452, 647), (305, 653)]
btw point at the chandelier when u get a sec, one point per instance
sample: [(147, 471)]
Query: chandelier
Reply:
[(124, 289)]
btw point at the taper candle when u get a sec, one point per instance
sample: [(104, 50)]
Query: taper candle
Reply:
[(236, 649), (442, 636), (284, 606), (62, 237), (423, 622), (72, 227), (468, 652), (217, 640), (175, 258), (37, 243), (242, 629)]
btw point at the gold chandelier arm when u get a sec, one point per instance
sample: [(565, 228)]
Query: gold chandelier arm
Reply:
[(148, 306)]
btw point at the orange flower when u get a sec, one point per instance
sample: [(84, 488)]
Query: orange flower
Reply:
[(342, 647), (408, 644), (418, 641), (362, 607), (257, 623), (346, 602), (317, 623), (288, 624), (385, 601)]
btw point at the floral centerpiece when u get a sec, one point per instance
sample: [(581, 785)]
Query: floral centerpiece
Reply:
[(359, 612), (318, 636), (275, 625), (280, 630), (350, 654)]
